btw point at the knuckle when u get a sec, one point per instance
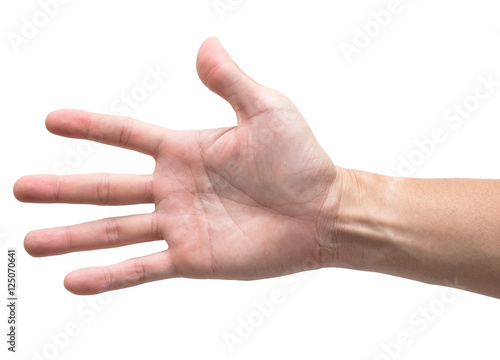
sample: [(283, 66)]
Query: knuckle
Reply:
[(107, 278), (103, 189), (155, 225), (57, 189), (112, 233), (70, 246), (148, 189), (125, 131), (139, 271)]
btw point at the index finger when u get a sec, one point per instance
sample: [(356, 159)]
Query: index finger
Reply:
[(119, 131)]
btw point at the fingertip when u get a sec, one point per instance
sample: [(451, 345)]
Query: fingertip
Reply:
[(209, 43), (30, 244), (87, 281), (211, 40), (63, 121), (17, 189), (74, 284), (210, 55), (220, 73), (34, 188), (68, 284), (24, 188), (53, 119), (45, 242)]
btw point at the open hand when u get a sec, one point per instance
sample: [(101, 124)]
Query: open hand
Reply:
[(244, 202)]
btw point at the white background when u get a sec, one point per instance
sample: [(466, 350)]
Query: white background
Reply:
[(366, 113)]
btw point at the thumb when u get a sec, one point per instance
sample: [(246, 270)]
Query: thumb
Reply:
[(221, 75)]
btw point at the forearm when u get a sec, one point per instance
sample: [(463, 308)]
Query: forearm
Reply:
[(439, 231)]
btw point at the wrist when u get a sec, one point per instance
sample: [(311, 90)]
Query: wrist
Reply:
[(357, 221)]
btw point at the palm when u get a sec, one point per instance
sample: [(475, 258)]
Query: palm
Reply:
[(238, 203), (245, 204)]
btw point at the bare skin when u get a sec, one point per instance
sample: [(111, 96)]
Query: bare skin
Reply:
[(261, 199)]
